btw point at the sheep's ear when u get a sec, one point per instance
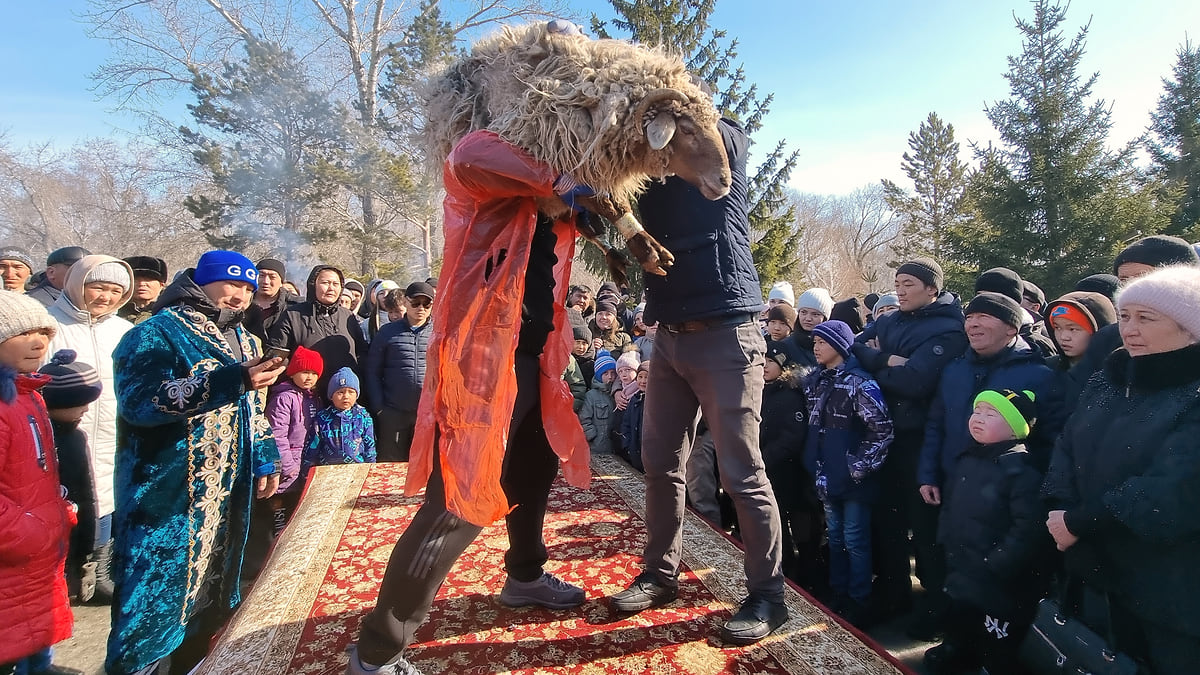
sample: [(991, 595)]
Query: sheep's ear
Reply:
[(660, 130)]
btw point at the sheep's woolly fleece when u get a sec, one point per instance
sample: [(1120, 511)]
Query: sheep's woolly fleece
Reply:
[(567, 100)]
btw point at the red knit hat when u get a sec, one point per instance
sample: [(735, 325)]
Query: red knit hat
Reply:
[(305, 359)]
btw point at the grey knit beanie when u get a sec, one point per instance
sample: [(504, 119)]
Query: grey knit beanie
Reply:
[(20, 313), (112, 272)]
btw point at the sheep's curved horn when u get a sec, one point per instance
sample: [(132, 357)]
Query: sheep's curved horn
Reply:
[(661, 129)]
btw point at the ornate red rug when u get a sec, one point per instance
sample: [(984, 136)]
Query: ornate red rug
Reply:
[(325, 571)]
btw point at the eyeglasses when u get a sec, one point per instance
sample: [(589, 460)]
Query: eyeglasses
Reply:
[(420, 301)]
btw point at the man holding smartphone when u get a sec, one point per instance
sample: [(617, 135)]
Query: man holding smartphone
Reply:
[(194, 449)]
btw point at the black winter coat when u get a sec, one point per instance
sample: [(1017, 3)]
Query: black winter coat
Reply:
[(394, 370), (799, 349), (1126, 471), (781, 436), (714, 273), (930, 338), (258, 321), (330, 330), (75, 473), (993, 527)]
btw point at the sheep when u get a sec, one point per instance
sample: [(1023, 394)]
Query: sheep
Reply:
[(612, 114)]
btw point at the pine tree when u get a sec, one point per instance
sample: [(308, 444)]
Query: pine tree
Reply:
[(272, 146), (1175, 149), (1051, 202), (682, 27), (939, 182)]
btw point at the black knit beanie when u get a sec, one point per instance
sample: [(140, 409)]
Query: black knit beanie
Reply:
[(1000, 306), (925, 269), (72, 383), (1158, 250), (1000, 280)]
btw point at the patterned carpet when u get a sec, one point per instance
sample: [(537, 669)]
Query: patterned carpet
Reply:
[(325, 572)]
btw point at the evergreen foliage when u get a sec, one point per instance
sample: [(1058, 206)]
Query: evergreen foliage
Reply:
[(1175, 146), (272, 145), (1051, 201), (939, 184)]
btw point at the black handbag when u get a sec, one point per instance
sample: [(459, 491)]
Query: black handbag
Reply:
[(1059, 642)]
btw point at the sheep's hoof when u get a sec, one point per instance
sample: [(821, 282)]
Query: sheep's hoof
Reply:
[(653, 257)]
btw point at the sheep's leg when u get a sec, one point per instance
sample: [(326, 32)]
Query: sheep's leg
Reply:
[(653, 256)]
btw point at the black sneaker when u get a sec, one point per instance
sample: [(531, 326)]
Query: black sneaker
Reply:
[(861, 615), (644, 593), (757, 618)]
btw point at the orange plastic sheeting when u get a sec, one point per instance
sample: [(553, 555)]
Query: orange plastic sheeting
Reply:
[(470, 385)]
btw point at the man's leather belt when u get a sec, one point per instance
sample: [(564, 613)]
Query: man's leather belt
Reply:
[(700, 325)]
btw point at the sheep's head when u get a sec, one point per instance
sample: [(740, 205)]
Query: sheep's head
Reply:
[(695, 150)]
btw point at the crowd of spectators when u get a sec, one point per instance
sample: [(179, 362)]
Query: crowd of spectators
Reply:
[(1012, 446)]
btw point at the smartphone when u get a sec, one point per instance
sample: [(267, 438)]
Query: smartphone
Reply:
[(277, 352)]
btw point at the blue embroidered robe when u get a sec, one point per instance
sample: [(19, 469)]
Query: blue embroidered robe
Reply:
[(191, 440)]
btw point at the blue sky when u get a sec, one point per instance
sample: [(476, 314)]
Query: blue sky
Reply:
[(851, 80)]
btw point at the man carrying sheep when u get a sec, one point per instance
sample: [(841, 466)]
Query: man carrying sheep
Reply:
[(702, 310), (503, 252)]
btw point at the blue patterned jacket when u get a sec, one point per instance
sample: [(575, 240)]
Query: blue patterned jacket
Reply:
[(191, 440), (340, 437)]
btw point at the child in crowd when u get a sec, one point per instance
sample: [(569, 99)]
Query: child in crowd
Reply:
[(781, 321), (781, 433), (623, 389), (597, 413), (645, 342), (35, 518), (582, 350), (631, 423), (73, 386), (849, 431), (1074, 318), (888, 302), (993, 530), (291, 410), (342, 433)]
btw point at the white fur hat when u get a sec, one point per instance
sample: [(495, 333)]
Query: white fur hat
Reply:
[(782, 290), (818, 299), (1173, 291)]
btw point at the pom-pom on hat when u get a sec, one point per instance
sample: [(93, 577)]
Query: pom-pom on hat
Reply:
[(818, 299), (305, 359), (1016, 407), (344, 378), (225, 266), (1173, 291), (926, 269), (20, 313), (837, 334), (72, 384), (782, 290), (604, 363)]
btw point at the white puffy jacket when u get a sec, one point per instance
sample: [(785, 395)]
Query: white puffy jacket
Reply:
[(93, 339)]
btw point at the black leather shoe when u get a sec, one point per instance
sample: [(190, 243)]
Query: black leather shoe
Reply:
[(645, 593), (757, 618)]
